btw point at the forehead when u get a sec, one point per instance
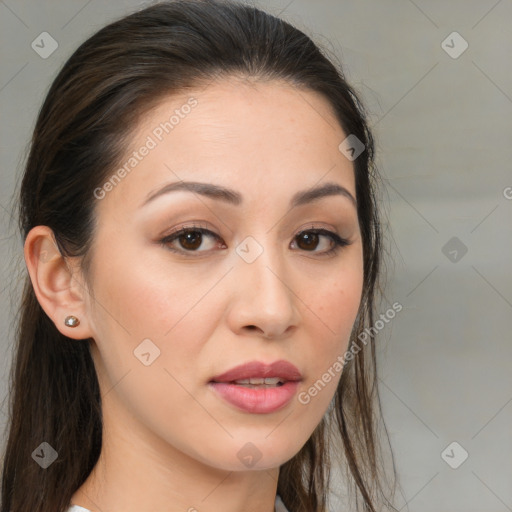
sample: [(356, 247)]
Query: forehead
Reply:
[(240, 108), (264, 135)]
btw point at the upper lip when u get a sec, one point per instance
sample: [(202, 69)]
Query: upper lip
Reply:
[(256, 369)]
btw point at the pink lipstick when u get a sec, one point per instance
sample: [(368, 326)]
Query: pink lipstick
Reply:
[(257, 387)]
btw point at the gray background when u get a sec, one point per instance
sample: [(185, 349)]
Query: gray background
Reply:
[(444, 144)]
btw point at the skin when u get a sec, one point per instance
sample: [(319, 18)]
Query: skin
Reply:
[(170, 443)]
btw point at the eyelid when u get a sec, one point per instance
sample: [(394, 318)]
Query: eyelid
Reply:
[(338, 241), (198, 226), (190, 226)]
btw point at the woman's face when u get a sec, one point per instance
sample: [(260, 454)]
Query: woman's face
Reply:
[(259, 285)]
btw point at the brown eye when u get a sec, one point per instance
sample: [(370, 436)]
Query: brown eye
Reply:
[(191, 240), (311, 239), (308, 240)]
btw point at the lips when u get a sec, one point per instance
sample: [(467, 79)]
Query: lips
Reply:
[(258, 388), (283, 370)]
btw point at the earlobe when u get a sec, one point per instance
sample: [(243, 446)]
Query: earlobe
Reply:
[(57, 288)]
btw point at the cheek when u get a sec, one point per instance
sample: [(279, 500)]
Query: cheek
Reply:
[(138, 293), (335, 301), (147, 313), (140, 296), (331, 312)]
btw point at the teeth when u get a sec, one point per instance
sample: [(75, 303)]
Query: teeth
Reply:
[(268, 381)]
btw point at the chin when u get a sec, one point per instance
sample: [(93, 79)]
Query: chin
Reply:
[(264, 454)]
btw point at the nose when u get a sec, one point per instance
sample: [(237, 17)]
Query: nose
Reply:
[(263, 299)]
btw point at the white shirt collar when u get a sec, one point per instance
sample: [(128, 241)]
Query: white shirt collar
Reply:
[(279, 507)]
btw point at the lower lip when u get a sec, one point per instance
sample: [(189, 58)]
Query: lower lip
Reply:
[(259, 401)]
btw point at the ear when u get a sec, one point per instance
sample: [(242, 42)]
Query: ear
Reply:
[(58, 287)]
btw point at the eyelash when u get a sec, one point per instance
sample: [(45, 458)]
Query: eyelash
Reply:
[(338, 242)]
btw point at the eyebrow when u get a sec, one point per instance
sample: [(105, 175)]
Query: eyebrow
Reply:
[(235, 198)]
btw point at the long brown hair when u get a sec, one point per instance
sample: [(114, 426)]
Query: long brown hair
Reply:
[(81, 133)]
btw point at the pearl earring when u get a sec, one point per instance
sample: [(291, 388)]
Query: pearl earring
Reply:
[(71, 321)]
